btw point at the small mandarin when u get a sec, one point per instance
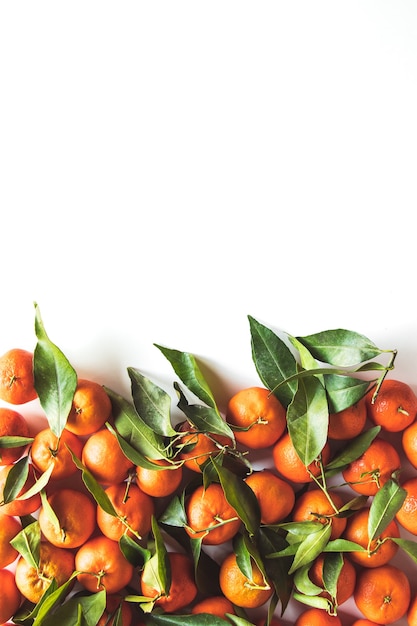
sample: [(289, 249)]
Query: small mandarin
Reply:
[(102, 565), (289, 465), (10, 597), (134, 510), (12, 424), (317, 617), (373, 468), (349, 422), (159, 482), (214, 605), (183, 589), (91, 408), (49, 449), (382, 594), (76, 515), (406, 516), (210, 516), (9, 528), (314, 505), (17, 385), (394, 407), (239, 589), (195, 448), (104, 458), (381, 549), (275, 496)]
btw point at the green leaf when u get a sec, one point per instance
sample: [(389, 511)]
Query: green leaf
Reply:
[(201, 619), (344, 391), (269, 542), (157, 569), (14, 442), (45, 615), (318, 602), (187, 369), (152, 403), (332, 566), (55, 379), (174, 514), (27, 543), (385, 504), (310, 548), (308, 419), (408, 545), (134, 430), (303, 582), (353, 450), (39, 484), (96, 490), (339, 347), (343, 545), (133, 551), (16, 480), (203, 418), (273, 360)]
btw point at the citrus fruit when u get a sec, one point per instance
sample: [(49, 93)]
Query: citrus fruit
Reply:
[(373, 468), (314, 505), (12, 424), (16, 377), (345, 583), (241, 590), (54, 563), (275, 496), (210, 516), (382, 593), (49, 449), (317, 617), (364, 622), (104, 458), (395, 405), (91, 408), (159, 482), (195, 448), (214, 605), (412, 612), (406, 516), (183, 589), (9, 527), (76, 515), (102, 565), (259, 414), (349, 422), (409, 443), (16, 507), (10, 597), (115, 605), (134, 510), (381, 549), (290, 466)]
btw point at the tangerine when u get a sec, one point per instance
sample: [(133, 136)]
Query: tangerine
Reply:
[(364, 622), (242, 591), (394, 407), (116, 605), (9, 528), (349, 422), (406, 516), (345, 583), (260, 415), (290, 466), (317, 617), (183, 589), (134, 510), (17, 385), (314, 505), (377, 552), (159, 482), (102, 565), (214, 605), (373, 468), (10, 597), (91, 408), (409, 443), (412, 612), (210, 516), (12, 424), (196, 448), (383, 593), (104, 458), (49, 449), (275, 496)]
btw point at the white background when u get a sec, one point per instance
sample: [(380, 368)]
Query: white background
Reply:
[(167, 168)]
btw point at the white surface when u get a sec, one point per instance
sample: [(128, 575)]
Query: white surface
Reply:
[(169, 168)]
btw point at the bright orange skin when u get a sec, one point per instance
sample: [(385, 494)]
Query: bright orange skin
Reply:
[(313, 505), (395, 406), (275, 496), (317, 617), (131, 504), (348, 423), (9, 528), (357, 531), (237, 587), (380, 459), (364, 622), (10, 597), (289, 465), (409, 443), (113, 602), (205, 508), (47, 448), (159, 483), (103, 456), (19, 508), (203, 446), (16, 377), (183, 588), (54, 563), (215, 605), (103, 565), (345, 583), (13, 424), (76, 513), (382, 594), (407, 515), (258, 410), (412, 612), (91, 408)]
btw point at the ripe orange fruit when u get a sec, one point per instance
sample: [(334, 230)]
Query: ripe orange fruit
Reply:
[(10, 597), (183, 588), (409, 443), (12, 424), (315, 506), (373, 468), (275, 496), (196, 448), (407, 515), (382, 593), (76, 513), (16, 377), (260, 413), (9, 527), (364, 622), (395, 406), (412, 612), (55, 563), (102, 565), (210, 516), (289, 464), (91, 408), (214, 605), (103, 456), (134, 509), (47, 448), (19, 508), (115, 602), (159, 483), (349, 422), (345, 583), (239, 589), (381, 550), (317, 617)]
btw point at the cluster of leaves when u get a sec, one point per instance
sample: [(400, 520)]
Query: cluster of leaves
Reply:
[(312, 376)]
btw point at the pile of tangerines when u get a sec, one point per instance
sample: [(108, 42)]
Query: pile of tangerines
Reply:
[(117, 513)]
